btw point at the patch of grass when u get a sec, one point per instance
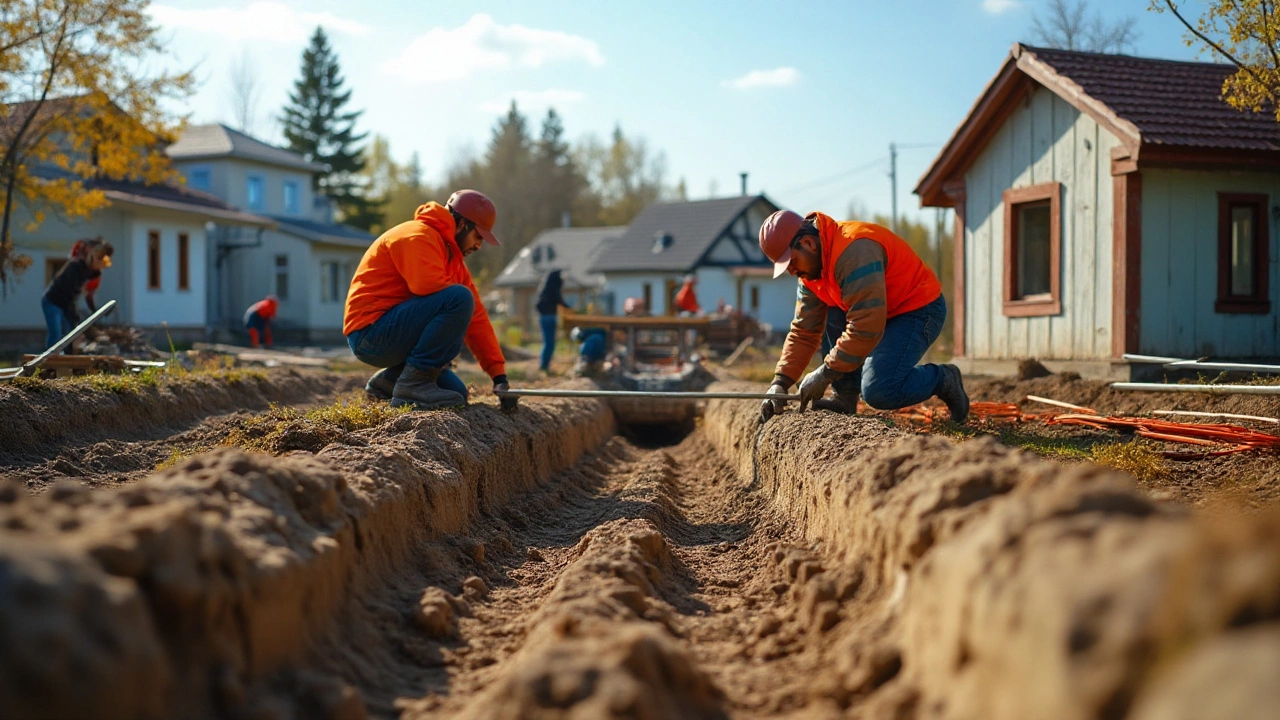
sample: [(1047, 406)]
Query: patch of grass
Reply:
[(30, 384), (1063, 448), (282, 429), (121, 384), (1139, 459), (176, 456)]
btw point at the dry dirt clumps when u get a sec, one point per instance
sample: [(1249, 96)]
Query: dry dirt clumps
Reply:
[(192, 593), (600, 647), (996, 585), (43, 414)]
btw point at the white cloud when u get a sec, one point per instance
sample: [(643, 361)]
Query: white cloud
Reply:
[(446, 55), (533, 99), (263, 21), (777, 77), (999, 7)]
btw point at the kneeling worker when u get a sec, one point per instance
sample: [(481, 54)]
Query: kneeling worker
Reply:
[(412, 304), (257, 320), (873, 305)]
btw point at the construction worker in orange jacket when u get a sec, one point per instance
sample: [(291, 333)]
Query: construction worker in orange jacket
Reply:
[(686, 298), (872, 304), (257, 320), (413, 304)]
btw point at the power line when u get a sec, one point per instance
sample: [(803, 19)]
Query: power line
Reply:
[(837, 176)]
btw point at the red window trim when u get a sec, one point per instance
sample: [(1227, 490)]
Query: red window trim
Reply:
[(1259, 303), (1039, 305)]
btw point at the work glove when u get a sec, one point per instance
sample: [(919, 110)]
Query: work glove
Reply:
[(508, 404), (769, 408), (815, 384)]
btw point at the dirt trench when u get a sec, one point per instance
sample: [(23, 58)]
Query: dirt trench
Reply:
[(536, 565)]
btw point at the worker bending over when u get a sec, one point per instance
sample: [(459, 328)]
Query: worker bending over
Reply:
[(257, 320), (59, 300), (874, 306), (412, 305), (687, 298)]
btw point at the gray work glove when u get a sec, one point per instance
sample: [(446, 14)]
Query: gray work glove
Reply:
[(769, 408), (507, 404), (815, 384)]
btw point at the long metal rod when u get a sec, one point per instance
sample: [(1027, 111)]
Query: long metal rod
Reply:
[(1233, 416), (1210, 389), (1235, 367), (67, 339), (655, 395), (1131, 357)]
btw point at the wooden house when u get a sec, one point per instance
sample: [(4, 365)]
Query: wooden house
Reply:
[(1108, 204)]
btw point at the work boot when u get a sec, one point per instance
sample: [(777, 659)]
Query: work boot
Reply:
[(383, 383), (843, 403), (950, 390), (419, 389)]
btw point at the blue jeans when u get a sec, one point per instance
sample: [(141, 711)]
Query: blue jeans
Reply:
[(425, 331), (56, 323), (890, 378), (548, 325)]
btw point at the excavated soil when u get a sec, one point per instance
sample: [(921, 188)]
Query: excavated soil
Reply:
[(539, 565)]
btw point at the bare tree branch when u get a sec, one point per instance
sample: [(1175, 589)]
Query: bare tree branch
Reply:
[(245, 94), (1205, 39)]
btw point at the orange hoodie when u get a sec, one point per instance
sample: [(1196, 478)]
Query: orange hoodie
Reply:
[(419, 257)]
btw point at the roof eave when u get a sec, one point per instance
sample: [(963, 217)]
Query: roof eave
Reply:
[(233, 155), (226, 217)]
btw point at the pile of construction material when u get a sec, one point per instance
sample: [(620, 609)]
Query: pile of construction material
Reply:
[(120, 340)]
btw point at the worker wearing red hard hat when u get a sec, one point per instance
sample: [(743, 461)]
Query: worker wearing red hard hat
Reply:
[(874, 307), (257, 320), (413, 304)]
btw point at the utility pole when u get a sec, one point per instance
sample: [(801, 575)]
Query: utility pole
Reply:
[(893, 185)]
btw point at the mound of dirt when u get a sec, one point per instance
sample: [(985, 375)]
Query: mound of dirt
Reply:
[(196, 592), (1001, 586)]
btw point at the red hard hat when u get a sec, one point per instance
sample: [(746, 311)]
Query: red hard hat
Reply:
[(776, 235), (478, 208)]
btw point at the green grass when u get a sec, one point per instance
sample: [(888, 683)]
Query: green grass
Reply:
[(277, 430), (1138, 458)]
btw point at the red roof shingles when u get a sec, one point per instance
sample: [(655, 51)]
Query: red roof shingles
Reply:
[(1173, 104)]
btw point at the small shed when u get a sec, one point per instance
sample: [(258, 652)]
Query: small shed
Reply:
[(567, 249), (1108, 204), (715, 240)]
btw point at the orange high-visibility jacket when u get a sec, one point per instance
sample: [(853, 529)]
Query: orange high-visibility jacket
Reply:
[(909, 285), (419, 257), (266, 309), (686, 299)]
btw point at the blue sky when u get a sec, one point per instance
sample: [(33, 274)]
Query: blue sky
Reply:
[(795, 93)]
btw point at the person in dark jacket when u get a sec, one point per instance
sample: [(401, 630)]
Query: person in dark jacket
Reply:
[(550, 297), (59, 300)]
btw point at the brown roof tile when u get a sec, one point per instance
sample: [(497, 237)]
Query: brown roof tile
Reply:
[(1172, 103)]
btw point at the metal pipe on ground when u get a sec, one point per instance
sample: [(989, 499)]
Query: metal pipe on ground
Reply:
[(1230, 367), (30, 367), (1210, 389), (1231, 416), (655, 395)]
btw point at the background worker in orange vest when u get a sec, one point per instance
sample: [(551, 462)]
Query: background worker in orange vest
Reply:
[(412, 305), (687, 299), (257, 320), (873, 305)]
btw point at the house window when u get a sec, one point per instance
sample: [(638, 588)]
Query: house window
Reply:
[(198, 178), (153, 259), (1032, 250), (184, 261), (255, 192), (755, 298), (330, 282), (51, 268), (291, 203), (647, 294), (1243, 255), (282, 276)]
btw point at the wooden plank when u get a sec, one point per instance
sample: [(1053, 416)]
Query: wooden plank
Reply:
[(1060, 329), (1002, 175), (979, 281), (1103, 268), (649, 322), (1084, 241)]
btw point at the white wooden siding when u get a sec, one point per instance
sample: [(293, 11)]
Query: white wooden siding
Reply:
[(1180, 267), (1044, 140)]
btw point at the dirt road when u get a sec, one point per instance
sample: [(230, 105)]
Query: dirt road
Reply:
[(538, 565)]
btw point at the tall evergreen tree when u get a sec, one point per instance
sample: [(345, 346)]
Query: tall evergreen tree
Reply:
[(317, 126), (557, 178)]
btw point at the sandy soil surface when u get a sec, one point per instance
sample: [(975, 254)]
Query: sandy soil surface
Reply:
[(473, 563)]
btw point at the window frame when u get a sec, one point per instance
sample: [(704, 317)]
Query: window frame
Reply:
[(200, 171), (330, 281), (262, 192), (1259, 303), (281, 292), (295, 207), (155, 261), (184, 262), (1044, 304)]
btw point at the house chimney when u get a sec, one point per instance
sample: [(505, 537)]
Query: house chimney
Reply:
[(564, 219), (744, 182)]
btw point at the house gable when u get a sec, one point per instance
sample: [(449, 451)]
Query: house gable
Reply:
[(738, 244)]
